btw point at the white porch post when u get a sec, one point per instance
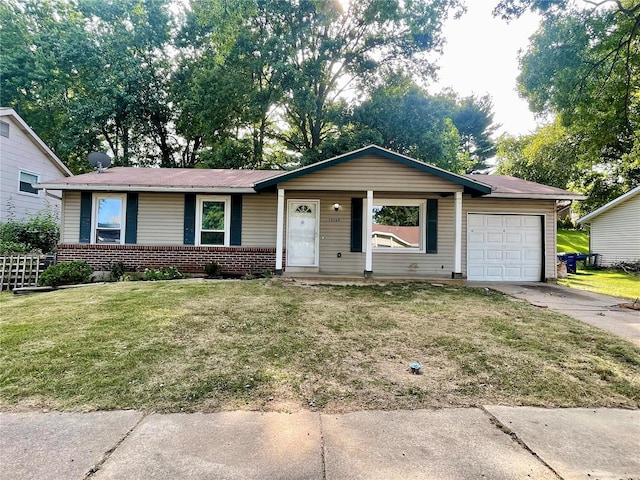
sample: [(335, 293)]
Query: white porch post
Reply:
[(368, 262), (280, 232), (457, 242)]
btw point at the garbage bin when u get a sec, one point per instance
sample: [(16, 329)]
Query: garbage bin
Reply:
[(570, 259)]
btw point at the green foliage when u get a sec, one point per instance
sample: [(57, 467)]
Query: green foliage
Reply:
[(39, 234), (402, 215), (169, 273), (572, 241), (213, 269), (66, 273), (583, 67), (117, 270)]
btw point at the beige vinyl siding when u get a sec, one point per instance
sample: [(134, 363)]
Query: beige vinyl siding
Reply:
[(371, 173), (160, 219), (259, 220), (335, 238), (547, 208), (70, 218), (615, 234)]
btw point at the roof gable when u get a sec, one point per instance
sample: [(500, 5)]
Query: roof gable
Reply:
[(11, 113), (471, 186), (617, 201)]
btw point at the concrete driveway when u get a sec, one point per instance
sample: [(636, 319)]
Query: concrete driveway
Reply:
[(601, 311)]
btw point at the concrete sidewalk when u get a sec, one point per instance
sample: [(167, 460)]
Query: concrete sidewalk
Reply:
[(492, 442), (599, 310)]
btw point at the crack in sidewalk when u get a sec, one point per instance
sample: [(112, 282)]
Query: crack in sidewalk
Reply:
[(93, 470), (514, 436)]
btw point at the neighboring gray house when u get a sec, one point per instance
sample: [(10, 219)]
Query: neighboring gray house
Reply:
[(322, 219), (25, 160), (615, 229)]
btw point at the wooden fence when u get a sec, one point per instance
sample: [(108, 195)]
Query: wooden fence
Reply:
[(22, 270)]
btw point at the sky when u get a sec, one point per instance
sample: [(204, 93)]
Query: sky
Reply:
[(481, 56)]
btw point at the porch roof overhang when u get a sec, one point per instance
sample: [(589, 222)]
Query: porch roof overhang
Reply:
[(471, 186)]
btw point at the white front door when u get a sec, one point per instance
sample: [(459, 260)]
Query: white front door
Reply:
[(302, 233)]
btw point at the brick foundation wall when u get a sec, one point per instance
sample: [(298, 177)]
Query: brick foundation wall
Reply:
[(187, 259)]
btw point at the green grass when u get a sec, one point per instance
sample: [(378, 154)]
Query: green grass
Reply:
[(573, 241), (273, 345), (608, 282)]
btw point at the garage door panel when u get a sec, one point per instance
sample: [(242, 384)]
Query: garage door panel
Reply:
[(493, 222), (512, 220), (513, 255), (494, 255), (514, 238), (504, 247)]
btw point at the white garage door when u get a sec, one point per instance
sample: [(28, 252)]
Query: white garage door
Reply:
[(504, 247)]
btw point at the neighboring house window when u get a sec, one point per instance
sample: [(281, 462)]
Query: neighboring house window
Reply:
[(26, 181), (213, 218), (109, 218), (4, 129), (398, 225)]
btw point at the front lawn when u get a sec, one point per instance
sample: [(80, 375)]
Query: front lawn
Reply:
[(276, 345), (572, 241), (608, 282)]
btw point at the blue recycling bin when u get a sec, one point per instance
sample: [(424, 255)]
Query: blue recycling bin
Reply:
[(570, 260)]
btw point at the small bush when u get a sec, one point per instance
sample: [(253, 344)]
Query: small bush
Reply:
[(66, 273), (169, 273), (117, 270), (39, 233), (213, 269)]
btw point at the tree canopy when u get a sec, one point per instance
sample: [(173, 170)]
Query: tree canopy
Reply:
[(583, 68), (242, 84)]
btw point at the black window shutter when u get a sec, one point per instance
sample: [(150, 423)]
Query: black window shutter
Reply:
[(131, 232), (85, 217), (189, 219), (356, 224), (432, 226), (236, 220)]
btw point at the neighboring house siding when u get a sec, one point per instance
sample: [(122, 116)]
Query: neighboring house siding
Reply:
[(160, 219), (70, 220), (18, 152), (371, 173), (518, 207), (614, 233)]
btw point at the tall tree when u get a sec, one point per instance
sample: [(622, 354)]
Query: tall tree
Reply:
[(298, 59), (583, 66)]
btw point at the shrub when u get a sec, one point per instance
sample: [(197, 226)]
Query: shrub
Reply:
[(169, 273), (213, 269), (66, 273), (39, 233), (117, 270)]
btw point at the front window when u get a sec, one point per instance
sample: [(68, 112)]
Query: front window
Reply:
[(26, 181), (213, 221), (398, 225), (109, 219)]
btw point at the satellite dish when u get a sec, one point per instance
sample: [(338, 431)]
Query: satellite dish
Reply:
[(99, 160)]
